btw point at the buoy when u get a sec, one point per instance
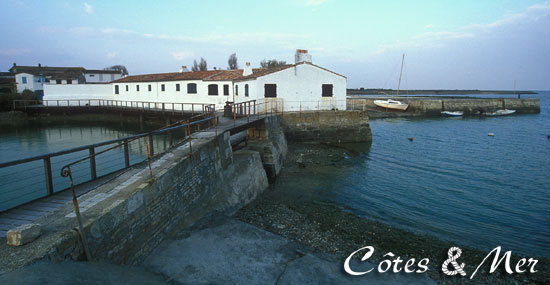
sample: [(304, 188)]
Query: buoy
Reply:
[(491, 134), (411, 139)]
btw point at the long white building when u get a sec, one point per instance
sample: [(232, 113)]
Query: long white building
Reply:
[(299, 86)]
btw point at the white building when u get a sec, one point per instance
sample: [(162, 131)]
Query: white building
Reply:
[(293, 87), (34, 78)]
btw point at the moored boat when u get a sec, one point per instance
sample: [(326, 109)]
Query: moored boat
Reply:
[(500, 112), (452, 113), (391, 104)]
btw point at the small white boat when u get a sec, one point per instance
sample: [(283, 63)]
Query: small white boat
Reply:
[(452, 114), (391, 104), (500, 112)]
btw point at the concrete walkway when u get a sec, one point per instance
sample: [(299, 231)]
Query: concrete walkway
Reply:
[(234, 252)]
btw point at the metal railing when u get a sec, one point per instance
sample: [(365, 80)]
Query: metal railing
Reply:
[(172, 107), (19, 185)]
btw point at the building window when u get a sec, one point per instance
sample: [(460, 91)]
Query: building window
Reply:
[(112, 77), (270, 90), (137, 88), (213, 89), (101, 77), (92, 75), (24, 79), (149, 87), (192, 88), (246, 90), (58, 81), (236, 90), (162, 87), (327, 90), (126, 88), (69, 81), (177, 87), (226, 90), (116, 89)]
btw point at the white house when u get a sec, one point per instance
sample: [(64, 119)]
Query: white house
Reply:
[(299, 86), (34, 78)]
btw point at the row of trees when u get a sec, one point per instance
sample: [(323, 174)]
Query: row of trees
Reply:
[(202, 65), (232, 63)]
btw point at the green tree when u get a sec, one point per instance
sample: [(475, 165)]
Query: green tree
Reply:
[(118, 67), (202, 66), (232, 62), (272, 63)]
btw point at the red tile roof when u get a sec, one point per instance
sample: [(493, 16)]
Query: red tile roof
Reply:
[(172, 76), (211, 75)]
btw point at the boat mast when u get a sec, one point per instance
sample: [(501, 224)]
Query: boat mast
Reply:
[(400, 73)]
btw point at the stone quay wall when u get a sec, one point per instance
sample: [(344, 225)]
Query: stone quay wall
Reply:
[(470, 106), (126, 226), (332, 127)]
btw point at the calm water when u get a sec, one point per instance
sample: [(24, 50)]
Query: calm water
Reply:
[(453, 181), (25, 182), (456, 182)]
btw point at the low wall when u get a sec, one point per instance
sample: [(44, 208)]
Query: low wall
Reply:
[(470, 106), (327, 126), (78, 91)]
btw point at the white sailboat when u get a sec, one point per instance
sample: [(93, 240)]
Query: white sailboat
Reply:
[(390, 103)]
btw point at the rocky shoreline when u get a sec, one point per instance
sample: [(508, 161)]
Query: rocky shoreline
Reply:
[(334, 230)]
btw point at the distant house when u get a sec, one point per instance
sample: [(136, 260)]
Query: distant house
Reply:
[(33, 78)]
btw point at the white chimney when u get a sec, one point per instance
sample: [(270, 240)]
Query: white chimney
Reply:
[(183, 68), (247, 69), (302, 56)]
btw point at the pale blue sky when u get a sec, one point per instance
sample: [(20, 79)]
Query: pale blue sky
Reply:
[(448, 44)]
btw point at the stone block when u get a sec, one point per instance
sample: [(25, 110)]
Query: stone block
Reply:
[(23, 234)]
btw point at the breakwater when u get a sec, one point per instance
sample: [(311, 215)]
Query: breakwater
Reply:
[(430, 106), (127, 217)]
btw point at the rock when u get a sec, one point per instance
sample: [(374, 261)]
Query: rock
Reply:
[(23, 234)]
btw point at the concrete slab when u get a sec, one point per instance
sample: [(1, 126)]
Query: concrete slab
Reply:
[(233, 252)]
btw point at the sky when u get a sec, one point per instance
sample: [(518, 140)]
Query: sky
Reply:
[(447, 44)]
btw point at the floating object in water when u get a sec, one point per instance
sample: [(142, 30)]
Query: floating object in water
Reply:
[(391, 104), (500, 112), (491, 134), (411, 139), (452, 114), (548, 137)]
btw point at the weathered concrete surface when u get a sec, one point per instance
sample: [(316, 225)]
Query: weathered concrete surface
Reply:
[(232, 252), (80, 273), (333, 127), (270, 141), (419, 107)]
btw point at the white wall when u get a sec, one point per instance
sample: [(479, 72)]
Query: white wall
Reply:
[(301, 86), (76, 92), (170, 95), (33, 82), (101, 77)]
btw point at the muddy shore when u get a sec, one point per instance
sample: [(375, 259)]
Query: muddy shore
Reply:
[(332, 229)]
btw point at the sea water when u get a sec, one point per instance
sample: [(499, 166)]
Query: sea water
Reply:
[(455, 182)]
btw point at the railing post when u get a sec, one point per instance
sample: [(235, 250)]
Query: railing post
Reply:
[(126, 155), (192, 109), (93, 172), (48, 176), (151, 148)]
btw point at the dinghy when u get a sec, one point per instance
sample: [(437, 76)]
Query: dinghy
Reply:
[(500, 112), (452, 114)]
